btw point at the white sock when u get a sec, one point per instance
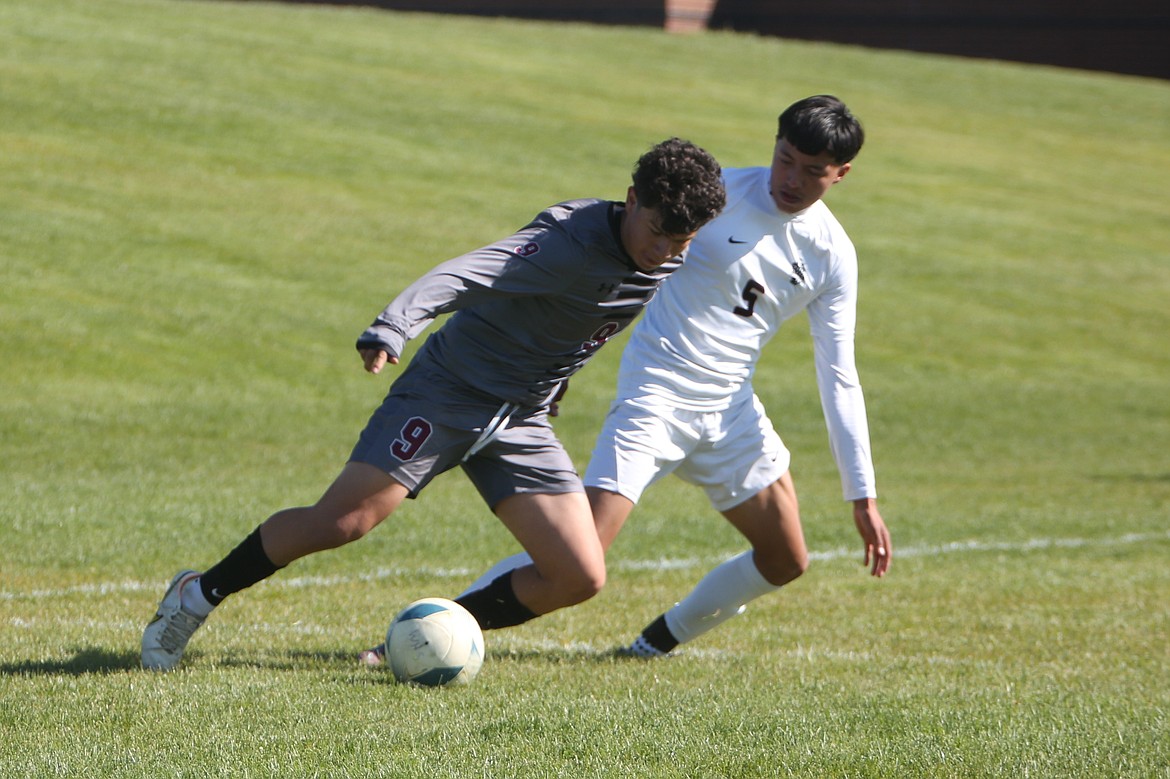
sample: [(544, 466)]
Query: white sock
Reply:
[(724, 592), (191, 598), (518, 560)]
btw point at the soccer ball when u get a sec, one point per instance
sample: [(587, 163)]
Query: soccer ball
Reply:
[(434, 642)]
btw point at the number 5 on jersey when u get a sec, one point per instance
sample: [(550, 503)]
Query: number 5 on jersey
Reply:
[(751, 292)]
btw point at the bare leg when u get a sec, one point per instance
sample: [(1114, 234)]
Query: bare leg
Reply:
[(557, 532), (357, 501), (360, 498), (770, 520), (610, 511)]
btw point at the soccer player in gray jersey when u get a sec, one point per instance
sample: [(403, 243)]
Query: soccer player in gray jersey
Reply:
[(685, 402), (527, 312)]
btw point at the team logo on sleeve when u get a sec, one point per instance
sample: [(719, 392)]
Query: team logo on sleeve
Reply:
[(528, 249)]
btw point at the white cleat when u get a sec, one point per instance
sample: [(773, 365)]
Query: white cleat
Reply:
[(167, 635)]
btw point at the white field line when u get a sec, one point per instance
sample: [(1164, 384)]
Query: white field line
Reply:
[(663, 564)]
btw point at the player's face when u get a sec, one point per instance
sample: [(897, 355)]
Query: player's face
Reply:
[(643, 238), (799, 179)]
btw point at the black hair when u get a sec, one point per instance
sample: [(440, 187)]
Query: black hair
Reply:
[(822, 123), (682, 181)]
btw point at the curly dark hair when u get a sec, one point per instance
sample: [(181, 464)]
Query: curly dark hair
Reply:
[(682, 181)]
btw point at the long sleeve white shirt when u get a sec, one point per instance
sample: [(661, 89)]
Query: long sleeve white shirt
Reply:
[(747, 272)]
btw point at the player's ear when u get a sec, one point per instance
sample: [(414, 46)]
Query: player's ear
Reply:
[(848, 166), (631, 198)]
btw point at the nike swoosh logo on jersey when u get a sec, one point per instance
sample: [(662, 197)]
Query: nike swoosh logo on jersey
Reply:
[(732, 240)]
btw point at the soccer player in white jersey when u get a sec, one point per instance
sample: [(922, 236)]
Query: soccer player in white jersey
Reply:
[(527, 312), (685, 402)]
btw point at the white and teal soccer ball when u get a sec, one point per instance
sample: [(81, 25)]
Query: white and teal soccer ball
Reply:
[(434, 642)]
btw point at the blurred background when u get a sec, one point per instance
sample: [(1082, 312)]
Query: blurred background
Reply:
[(1119, 36)]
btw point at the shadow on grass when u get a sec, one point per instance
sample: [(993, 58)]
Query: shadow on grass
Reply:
[(558, 655), (103, 661), (290, 660), (84, 661), (96, 661)]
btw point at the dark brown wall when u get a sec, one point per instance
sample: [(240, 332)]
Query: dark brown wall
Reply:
[(1122, 36), (636, 12)]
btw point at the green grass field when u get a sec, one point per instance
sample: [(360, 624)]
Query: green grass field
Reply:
[(202, 204)]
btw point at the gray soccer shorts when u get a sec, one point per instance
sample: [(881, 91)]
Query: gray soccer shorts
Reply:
[(430, 423), (732, 454)]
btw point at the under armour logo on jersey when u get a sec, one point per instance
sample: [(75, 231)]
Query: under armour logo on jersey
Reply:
[(528, 249)]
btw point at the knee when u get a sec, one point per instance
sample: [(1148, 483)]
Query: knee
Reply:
[(350, 527), (799, 565), (784, 569), (583, 585)]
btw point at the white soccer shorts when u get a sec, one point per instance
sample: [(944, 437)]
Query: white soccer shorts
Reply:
[(731, 454)]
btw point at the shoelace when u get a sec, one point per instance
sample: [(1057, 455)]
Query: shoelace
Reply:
[(178, 630)]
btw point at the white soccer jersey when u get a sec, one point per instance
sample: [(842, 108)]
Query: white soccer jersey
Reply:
[(746, 273)]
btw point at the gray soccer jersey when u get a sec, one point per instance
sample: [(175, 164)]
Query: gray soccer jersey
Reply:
[(528, 311)]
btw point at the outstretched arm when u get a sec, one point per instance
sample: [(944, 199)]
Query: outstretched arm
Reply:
[(496, 271)]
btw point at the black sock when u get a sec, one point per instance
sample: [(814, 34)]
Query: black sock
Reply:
[(496, 605), (244, 566), (658, 635)]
